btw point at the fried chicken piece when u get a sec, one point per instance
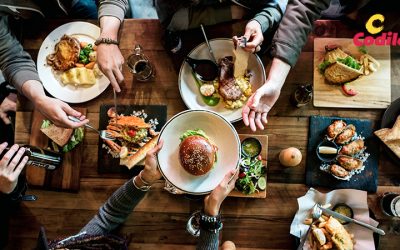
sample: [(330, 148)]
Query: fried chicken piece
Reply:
[(336, 128), (338, 171), (346, 134), (66, 54), (352, 148), (349, 163)]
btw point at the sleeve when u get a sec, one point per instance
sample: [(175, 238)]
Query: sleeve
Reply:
[(16, 64), (208, 240), (115, 8), (115, 211), (294, 28), (271, 14)]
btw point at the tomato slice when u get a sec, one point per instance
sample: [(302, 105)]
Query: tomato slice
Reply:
[(242, 175), (132, 133), (348, 91)]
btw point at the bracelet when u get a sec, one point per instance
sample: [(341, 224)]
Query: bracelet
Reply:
[(105, 40), (142, 188), (144, 182), (211, 223)]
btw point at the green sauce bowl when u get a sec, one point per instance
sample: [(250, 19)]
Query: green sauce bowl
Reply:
[(251, 147)]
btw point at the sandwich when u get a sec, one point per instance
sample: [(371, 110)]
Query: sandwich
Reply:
[(339, 67), (66, 138), (134, 138), (391, 136), (197, 154)]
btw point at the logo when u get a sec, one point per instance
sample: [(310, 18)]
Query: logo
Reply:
[(374, 25)]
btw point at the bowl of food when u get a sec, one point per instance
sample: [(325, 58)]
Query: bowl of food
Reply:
[(200, 147), (240, 75)]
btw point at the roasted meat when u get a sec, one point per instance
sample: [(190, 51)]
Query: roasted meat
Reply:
[(349, 163), (66, 54), (346, 135), (352, 148), (336, 128), (228, 89), (338, 171)]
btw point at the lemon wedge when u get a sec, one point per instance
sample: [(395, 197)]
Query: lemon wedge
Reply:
[(124, 152), (327, 150)]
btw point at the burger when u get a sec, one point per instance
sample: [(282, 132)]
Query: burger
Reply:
[(197, 154)]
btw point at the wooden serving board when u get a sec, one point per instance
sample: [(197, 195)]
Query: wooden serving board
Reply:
[(373, 90), (66, 177), (366, 180), (264, 154)]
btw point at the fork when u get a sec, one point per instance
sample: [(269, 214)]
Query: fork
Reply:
[(102, 133), (316, 213)]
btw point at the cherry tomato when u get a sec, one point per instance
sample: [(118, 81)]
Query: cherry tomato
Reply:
[(132, 133), (259, 157), (242, 175), (348, 91)]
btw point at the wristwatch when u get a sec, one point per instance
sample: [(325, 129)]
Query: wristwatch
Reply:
[(211, 223), (105, 40)]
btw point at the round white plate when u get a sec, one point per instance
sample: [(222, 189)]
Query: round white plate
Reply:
[(218, 129), (85, 32), (187, 85)]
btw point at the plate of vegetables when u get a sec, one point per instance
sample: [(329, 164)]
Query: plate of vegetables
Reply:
[(252, 180)]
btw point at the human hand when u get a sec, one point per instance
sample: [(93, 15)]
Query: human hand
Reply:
[(10, 170), (254, 37), (9, 104), (255, 112), (150, 173), (110, 61), (58, 111), (213, 201)]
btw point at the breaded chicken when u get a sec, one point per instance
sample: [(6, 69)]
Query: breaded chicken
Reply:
[(66, 54), (340, 237)]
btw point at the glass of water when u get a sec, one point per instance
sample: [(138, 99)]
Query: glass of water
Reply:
[(140, 66)]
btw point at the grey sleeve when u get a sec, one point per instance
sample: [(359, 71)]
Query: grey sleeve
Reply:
[(115, 211), (294, 28), (115, 8), (270, 15), (208, 240), (15, 63)]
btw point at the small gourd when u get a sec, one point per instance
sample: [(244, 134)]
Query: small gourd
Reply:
[(290, 157)]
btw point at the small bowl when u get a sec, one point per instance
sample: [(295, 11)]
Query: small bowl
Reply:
[(327, 157), (255, 143)]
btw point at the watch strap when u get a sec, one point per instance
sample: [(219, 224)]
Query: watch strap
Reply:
[(211, 223)]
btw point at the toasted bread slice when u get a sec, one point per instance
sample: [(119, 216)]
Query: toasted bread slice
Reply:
[(333, 55), (140, 155), (340, 237), (391, 137), (59, 135), (338, 73)]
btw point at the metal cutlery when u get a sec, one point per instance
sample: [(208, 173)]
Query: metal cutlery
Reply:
[(104, 134), (316, 213), (208, 44)]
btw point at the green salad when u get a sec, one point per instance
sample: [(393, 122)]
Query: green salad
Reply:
[(351, 62), (75, 139), (251, 176), (190, 132)]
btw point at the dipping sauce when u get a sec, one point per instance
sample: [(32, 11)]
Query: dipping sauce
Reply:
[(206, 70), (251, 147), (345, 210)]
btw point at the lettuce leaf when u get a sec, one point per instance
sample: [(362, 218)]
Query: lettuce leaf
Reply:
[(190, 132), (75, 139), (45, 124)]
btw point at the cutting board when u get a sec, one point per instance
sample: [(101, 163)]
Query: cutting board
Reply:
[(366, 180), (373, 90), (106, 163), (66, 177), (264, 154)]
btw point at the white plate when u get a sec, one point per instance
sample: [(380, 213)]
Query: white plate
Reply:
[(85, 32), (189, 91), (220, 131)]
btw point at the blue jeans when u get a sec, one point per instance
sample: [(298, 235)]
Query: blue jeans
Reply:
[(85, 9)]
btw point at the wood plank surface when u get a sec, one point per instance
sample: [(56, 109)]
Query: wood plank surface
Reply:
[(158, 222), (373, 90)]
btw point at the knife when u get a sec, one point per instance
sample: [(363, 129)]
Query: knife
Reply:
[(348, 219)]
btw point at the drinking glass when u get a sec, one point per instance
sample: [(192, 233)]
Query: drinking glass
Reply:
[(140, 66)]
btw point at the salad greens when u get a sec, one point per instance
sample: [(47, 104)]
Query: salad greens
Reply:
[(351, 62), (193, 132), (209, 100), (46, 124), (251, 176), (322, 66), (75, 139), (363, 49), (84, 54)]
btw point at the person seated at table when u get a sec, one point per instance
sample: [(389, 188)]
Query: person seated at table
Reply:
[(291, 36), (12, 185), (122, 202), (264, 16)]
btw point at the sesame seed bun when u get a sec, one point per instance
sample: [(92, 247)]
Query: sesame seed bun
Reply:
[(197, 155)]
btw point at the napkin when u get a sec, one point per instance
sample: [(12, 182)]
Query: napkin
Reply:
[(356, 199)]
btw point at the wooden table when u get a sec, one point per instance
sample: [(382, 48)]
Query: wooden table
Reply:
[(160, 218)]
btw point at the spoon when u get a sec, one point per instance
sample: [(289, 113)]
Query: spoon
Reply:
[(316, 213), (204, 70)]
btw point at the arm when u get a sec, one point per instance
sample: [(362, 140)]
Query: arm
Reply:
[(109, 57), (121, 203)]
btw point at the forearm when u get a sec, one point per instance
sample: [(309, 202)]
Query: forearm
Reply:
[(115, 211), (33, 90), (109, 26), (208, 240), (113, 8), (278, 73), (294, 28)]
